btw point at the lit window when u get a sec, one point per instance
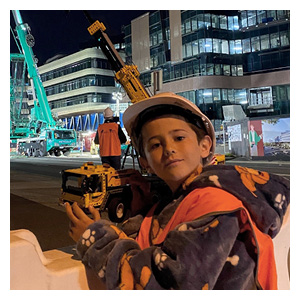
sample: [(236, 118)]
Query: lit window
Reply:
[(255, 44)]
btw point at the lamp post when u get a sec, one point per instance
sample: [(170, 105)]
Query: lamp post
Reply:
[(117, 96), (224, 136)]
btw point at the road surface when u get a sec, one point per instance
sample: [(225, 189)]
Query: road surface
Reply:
[(35, 188)]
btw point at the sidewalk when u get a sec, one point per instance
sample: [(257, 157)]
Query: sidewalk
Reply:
[(270, 158), (258, 160)]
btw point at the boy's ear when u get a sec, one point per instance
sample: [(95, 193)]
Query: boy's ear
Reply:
[(205, 146), (144, 164)]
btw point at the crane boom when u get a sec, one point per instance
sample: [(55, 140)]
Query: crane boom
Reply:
[(126, 75), (27, 41)]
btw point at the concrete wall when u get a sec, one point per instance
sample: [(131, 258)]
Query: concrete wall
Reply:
[(32, 269), (241, 147)]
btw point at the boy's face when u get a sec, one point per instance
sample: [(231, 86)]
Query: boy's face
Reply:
[(172, 150)]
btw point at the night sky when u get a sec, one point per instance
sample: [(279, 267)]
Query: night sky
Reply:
[(65, 32)]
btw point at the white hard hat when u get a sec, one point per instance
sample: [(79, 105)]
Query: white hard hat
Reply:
[(182, 106), (108, 113)]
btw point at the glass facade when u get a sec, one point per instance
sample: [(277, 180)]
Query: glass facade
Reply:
[(210, 101), (75, 67), (255, 17), (206, 33), (159, 31), (79, 82), (83, 98), (201, 51), (191, 68), (232, 43), (90, 80)]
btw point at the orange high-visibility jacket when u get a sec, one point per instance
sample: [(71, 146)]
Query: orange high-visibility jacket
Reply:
[(213, 202), (215, 232), (109, 141)]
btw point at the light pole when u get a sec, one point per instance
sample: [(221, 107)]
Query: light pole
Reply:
[(224, 136), (117, 96)]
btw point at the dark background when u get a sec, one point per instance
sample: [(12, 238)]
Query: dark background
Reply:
[(65, 32)]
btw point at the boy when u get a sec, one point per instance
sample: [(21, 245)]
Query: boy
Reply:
[(215, 232)]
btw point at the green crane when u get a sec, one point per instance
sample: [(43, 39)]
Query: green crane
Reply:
[(44, 135), (18, 123)]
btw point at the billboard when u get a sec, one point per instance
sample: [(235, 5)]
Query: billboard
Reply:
[(270, 137), (255, 137), (234, 133)]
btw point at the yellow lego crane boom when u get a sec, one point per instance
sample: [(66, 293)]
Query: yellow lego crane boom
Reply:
[(126, 75)]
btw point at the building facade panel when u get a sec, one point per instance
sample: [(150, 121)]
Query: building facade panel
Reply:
[(141, 42), (175, 35)]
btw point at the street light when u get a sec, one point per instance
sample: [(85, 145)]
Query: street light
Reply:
[(118, 97)]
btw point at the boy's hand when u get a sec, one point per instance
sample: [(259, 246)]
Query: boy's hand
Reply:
[(79, 221)]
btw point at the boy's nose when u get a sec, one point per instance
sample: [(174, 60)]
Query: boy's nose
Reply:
[(169, 150)]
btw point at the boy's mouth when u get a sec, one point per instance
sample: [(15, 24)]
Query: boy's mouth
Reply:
[(173, 162)]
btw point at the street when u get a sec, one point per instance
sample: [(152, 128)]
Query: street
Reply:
[(35, 187)]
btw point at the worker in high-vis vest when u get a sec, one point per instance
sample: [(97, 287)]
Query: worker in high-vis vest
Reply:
[(110, 136)]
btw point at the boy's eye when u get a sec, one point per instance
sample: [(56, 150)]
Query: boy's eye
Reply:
[(179, 138), (154, 146)]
